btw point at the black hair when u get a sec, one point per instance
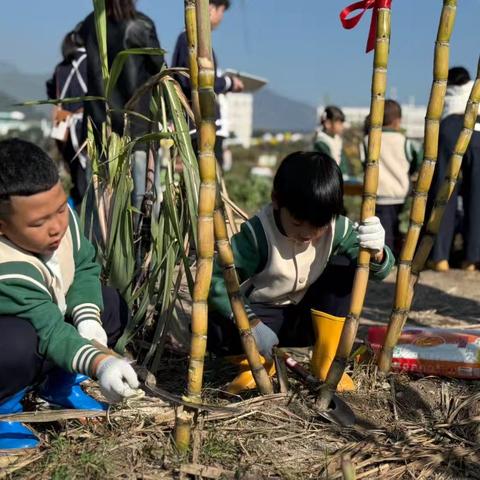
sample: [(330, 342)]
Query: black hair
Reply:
[(71, 43), (121, 10), (310, 186), (220, 3), (392, 111), (25, 170), (458, 76), (332, 113)]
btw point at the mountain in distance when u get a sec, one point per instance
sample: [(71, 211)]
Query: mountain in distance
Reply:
[(277, 113), (21, 85), (272, 112), (17, 86)]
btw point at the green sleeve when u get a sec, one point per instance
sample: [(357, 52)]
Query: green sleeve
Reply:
[(345, 242), (23, 294), (248, 261), (344, 164), (322, 147), (414, 156), (86, 289)]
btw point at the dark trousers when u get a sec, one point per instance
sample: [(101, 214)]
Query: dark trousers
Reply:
[(293, 323), (78, 174), (20, 363), (389, 218), (469, 189)]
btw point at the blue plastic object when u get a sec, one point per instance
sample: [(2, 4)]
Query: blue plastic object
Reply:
[(71, 202), (15, 435), (63, 389)]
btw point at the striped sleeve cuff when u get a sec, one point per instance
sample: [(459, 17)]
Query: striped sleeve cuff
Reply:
[(86, 311), (250, 313), (86, 360), (383, 269)]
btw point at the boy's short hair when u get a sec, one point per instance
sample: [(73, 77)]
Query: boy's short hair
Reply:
[(220, 3), (392, 112), (310, 186), (333, 114), (458, 76), (25, 170)]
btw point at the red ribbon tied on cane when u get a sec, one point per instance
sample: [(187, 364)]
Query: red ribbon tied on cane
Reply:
[(364, 5)]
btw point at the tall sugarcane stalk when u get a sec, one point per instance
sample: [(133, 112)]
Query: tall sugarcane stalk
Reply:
[(192, 40), (220, 229), (233, 288), (420, 194), (370, 183), (206, 204), (441, 200)]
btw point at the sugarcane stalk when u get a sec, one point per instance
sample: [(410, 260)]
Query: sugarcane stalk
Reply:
[(206, 204), (442, 198), (225, 251), (422, 187), (233, 288), (370, 182), (192, 40)]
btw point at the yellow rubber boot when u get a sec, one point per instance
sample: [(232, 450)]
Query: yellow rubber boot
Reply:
[(328, 329), (244, 380)]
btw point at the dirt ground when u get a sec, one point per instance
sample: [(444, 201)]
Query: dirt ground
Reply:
[(406, 427)]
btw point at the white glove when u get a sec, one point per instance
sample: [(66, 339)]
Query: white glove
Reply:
[(92, 330), (371, 234), (265, 338), (117, 379)]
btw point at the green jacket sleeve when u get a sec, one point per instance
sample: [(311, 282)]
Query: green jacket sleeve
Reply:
[(322, 147), (344, 164), (414, 155), (84, 297), (248, 261), (23, 294), (345, 242)]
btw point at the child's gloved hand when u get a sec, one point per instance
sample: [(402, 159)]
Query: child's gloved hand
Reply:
[(117, 379), (92, 330), (371, 234), (265, 338)]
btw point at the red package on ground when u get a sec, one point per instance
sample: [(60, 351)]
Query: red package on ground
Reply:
[(433, 351)]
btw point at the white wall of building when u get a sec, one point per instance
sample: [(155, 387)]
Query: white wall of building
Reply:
[(239, 108)]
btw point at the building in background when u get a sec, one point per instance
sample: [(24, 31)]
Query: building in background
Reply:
[(240, 117)]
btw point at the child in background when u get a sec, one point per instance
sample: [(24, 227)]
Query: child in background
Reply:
[(398, 161), (329, 140), (296, 261), (52, 305)]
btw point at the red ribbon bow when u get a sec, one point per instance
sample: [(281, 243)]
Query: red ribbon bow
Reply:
[(364, 5)]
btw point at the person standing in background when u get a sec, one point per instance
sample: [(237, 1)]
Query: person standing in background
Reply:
[(126, 28), (459, 87), (398, 161), (223, 83), (69, 80), (328, 138)]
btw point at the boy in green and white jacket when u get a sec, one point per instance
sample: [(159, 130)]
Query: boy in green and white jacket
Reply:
[(52, 305), (297, 254)]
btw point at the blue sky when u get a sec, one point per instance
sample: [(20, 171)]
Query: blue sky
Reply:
[(298, 45)]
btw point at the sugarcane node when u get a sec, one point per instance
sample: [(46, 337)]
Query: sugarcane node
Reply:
[(400, 311)]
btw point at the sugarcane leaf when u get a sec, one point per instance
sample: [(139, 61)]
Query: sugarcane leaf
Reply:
[(56, 101), (119, 62), (101, 29)]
